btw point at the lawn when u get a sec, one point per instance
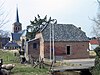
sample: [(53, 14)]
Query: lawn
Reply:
[(20, 69), (27, 69)]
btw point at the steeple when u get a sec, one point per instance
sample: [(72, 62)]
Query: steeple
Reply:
[(17, 26), (17, 16)]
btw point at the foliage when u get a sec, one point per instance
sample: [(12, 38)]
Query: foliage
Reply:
[(96, 69), (37, 25), (97, 50), (28, 70), (96, 31), (8, 57), (20, 69)]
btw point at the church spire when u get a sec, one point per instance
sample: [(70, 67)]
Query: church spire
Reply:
[(17, 16), (17, 26)]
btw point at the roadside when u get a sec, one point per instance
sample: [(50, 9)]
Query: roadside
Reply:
[(78, 60)]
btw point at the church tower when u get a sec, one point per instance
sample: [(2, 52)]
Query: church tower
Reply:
[(17, 26)]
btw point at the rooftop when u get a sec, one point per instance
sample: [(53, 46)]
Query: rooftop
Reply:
[(94, 41), (65, 32), (12, 44)]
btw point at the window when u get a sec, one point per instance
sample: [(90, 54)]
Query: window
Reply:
[(17, 28), (34, 45), (68, 50)]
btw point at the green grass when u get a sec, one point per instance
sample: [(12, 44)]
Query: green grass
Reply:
[(27, 70), (8, 57), (20, 69)]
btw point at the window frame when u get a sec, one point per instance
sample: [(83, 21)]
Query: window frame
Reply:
[(68, 51), (35, 45)]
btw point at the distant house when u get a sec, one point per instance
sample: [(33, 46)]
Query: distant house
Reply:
[(17, 37), (17, 29), (17, 33), (4, 41), (12, 46), (93, 44), (69, 42)]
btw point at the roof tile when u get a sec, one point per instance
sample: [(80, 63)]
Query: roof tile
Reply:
[(65, 32)]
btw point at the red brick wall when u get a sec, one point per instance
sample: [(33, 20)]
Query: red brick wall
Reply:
[(35, 53), (78, 49)]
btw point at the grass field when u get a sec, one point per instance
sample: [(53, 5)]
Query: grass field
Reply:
[(20, 69), (26, 69)]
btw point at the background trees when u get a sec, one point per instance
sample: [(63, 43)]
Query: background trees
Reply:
[(3, 19), (3, 14), (96, 68), (4, 33), (37, 24), (96, 30), (96, 27)]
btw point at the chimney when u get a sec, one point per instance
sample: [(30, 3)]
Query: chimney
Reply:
[(79, 28)]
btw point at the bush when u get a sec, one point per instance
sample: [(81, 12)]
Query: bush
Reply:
[(97, 50), (96, 69)]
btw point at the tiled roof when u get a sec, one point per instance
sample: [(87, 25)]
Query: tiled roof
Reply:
[(65, 32), (17, 23), (12, 44), (94, 41), (16, 36)]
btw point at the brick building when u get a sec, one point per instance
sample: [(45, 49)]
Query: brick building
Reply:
[(69, 42), (3, 41), (18, 34)]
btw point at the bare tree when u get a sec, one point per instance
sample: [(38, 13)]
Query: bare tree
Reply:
[(96, 27), (4, 33), (3, 19), (3, 14), (98, 1)]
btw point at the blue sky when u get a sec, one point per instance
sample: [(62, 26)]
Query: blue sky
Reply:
[(75, 12)]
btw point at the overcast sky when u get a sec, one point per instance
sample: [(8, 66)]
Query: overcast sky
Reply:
[(75, 12)]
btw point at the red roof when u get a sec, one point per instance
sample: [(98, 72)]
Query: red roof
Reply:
[(94, 41)]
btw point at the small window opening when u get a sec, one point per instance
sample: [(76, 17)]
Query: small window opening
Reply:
[(68, 50)]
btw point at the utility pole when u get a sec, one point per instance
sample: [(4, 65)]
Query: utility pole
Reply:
[(53, 43), (50, 41), (52, 36)]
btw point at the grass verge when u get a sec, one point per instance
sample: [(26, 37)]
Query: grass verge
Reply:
[(20, 69)]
